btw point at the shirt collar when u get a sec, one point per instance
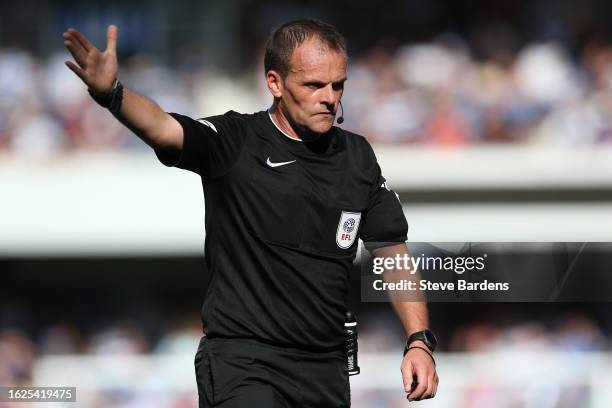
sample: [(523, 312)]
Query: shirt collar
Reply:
[(281, 130)]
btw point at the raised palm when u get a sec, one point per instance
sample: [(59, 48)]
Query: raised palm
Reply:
[(98, 69)]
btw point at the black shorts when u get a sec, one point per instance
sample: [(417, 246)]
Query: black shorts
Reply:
[(235, 373)]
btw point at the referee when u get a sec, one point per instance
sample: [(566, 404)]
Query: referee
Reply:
[(287, 196)]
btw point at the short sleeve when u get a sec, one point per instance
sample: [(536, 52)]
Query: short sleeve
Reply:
[(385, 222), (211, 145)]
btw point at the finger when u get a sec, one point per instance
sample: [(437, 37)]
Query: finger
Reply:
[(412, 387), (436, 381), (111, 39), (78, 52), (80, 73), (418, 392), (82, 39), (429, 393), (407, 374)]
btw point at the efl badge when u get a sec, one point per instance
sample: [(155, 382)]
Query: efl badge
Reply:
[(347, 229)]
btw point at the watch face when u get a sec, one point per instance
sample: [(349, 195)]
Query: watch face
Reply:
[(430, 338)]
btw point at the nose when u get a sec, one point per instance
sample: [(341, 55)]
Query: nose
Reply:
[(329, 97)]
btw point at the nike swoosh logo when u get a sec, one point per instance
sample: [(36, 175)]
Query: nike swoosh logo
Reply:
[(269, 163)]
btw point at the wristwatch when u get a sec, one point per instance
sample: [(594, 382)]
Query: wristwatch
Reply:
[(426, 336)]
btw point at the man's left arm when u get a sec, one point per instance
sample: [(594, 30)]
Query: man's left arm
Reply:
[(418, 362), (384, 233)]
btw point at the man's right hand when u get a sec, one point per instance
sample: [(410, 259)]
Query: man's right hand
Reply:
[(97, 69)]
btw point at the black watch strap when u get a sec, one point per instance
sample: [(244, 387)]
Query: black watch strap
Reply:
[(112, 99), (426, 336)]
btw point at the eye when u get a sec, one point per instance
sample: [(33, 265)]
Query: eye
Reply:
[(337, 86), (314, 85)]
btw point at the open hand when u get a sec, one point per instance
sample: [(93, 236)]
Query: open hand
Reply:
[(97, 69)]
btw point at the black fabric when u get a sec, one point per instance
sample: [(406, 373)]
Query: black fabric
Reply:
[(282, 220), (244, 373), (207, 150), (385, 221)]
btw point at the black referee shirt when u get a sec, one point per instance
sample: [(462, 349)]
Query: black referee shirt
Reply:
[(282, 221)]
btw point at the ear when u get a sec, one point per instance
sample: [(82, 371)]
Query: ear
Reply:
[(275, 83)]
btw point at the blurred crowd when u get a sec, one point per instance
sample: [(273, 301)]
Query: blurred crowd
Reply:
[(434, 93), (20, 350)]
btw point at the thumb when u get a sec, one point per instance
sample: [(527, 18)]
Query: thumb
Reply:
[(111, 39), (407, 376)]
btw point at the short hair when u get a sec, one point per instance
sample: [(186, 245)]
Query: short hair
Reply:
[(286, 38)]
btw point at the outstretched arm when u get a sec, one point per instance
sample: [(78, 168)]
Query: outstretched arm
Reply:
[(99, 71), (414, 317)]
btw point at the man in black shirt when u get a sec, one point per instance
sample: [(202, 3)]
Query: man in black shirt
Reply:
[(287, 195)]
